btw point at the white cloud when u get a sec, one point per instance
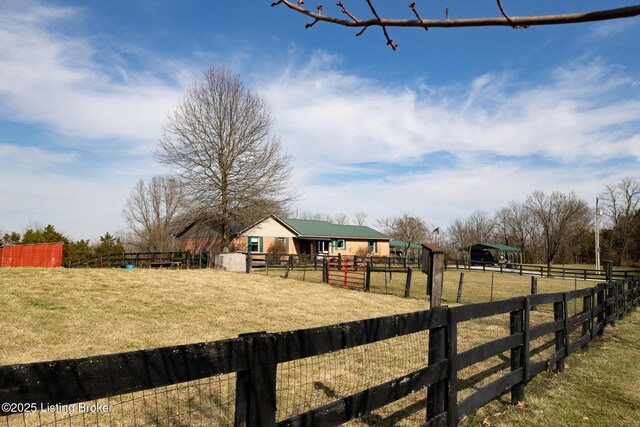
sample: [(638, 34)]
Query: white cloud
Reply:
[(556, 135), (51, 79), (337, 118)]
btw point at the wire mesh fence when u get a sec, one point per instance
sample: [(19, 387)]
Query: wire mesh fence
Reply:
[(204, 402), (308, 383)]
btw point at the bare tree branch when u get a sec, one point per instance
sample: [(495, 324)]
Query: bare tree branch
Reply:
[(384, 29), (412, 6), (505, 20), (504, 13)]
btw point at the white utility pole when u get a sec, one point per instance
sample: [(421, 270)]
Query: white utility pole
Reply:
[(597, 233)]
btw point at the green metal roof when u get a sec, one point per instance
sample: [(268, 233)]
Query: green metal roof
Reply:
[(312, 228), (502, 248), (400, 244)]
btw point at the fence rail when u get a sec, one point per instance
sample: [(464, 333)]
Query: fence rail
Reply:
[(540, 270), (290, 379), (170, 259)]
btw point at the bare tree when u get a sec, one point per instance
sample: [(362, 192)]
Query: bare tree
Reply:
[(476, 228), (561, 218), (360, 218), (513, 227), (621, 202), (407, 228), (415, 19), (154, 212), (220, 142), (341, 218)]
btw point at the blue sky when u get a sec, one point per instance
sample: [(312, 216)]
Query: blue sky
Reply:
[(454, 121)]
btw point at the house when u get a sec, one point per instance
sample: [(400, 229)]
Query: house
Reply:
[(302, 236), (199, 236)]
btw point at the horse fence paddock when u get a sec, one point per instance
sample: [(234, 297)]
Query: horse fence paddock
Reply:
[(435, 366)]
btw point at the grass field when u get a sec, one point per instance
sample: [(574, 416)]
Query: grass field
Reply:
[(597, 388), (64, 313), (476, 287), (54, 314)]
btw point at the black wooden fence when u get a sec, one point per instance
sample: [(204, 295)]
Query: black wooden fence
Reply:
[(542, 271), (328, 375), (170, 259)]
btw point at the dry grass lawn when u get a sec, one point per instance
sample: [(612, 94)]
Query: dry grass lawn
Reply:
[(55, 314), (476, 288), (597, 388), (65, 313)]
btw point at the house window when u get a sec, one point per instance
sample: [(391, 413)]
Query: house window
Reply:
[(341, 244), (323, 246), (373, 246), (254, 244)]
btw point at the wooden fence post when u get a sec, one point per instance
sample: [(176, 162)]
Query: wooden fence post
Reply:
[(534, 289), (367, 277), (325, 271), (249, 262), (289, 264), (624, 300), (610, 305), (452, 355), (586, 325), (256, 388), (460, 283), (602, 315), (559, 314), (407, 285), (517, 354), (437, 393)]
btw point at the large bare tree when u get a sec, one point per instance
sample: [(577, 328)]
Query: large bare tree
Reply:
[(561, 217), (412, 16), (220, 142), (621, 202), (154, 212)]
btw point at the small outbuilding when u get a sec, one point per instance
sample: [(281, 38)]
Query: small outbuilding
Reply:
[(492, 253)]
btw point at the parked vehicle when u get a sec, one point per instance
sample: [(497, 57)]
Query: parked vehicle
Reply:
[(481, 256)]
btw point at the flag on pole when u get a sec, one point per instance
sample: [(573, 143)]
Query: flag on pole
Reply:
[(435, 232)]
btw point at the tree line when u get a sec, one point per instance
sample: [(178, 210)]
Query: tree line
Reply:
[(72, 250), (559, 227), (228, 170)]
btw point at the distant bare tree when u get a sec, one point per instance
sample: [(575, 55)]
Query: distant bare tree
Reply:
[(220, 142), (513, 226), (476, 228), (621, 202), (416, 19), (561, 217), (341, 218), (407, 228), (360, 218), (153, 213)]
